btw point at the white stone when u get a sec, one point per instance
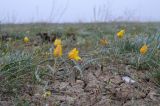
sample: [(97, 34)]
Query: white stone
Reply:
[(128, 79)]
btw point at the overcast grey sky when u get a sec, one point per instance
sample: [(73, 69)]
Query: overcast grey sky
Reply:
[(78, 10)]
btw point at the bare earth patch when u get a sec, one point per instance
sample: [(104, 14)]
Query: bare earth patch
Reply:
[(97, 88)]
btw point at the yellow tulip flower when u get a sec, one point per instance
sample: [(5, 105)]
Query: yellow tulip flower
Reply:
[(120, 34), (57, 42), (144, 49), (26, 39), (74, 54), (58, 51)]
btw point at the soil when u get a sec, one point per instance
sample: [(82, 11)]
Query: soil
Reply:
[(97, 88)]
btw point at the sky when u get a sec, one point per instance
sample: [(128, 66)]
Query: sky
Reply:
[(59, 11)]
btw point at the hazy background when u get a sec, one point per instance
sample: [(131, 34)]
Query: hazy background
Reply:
[(19, 11)]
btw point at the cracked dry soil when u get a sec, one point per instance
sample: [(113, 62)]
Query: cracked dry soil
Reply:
[(97, 88)]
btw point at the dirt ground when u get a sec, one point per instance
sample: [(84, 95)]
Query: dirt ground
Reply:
[(99, 87)]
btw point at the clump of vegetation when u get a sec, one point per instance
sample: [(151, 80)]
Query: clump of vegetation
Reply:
[(17, 70)]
